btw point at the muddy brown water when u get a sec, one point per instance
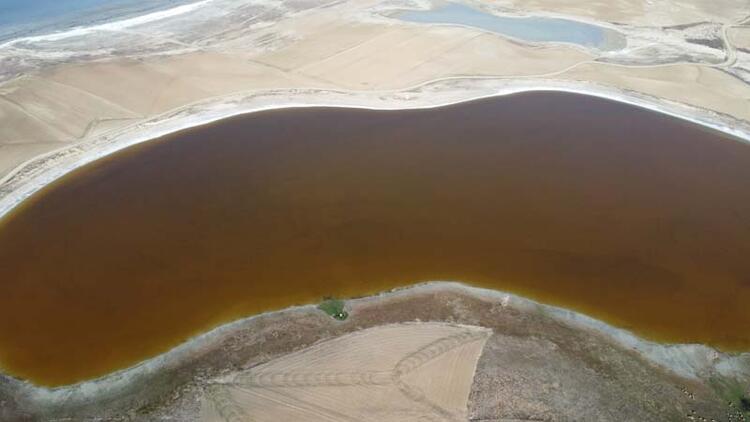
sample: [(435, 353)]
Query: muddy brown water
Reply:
[(624, 214)]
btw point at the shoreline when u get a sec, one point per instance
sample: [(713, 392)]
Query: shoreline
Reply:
[(34, 174), (105, 24), (688, 361), (52, 166)]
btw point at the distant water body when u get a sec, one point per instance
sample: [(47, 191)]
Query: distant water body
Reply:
[(23, 18), (532, 29)]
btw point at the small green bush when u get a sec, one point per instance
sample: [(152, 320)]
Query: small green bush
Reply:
[(334, 308), (734, 392), (745, 404)]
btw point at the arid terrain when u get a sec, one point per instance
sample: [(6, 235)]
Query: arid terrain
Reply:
[(385, 373)]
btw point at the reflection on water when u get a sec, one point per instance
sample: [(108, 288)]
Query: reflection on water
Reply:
[(626, 215), (533, 29)]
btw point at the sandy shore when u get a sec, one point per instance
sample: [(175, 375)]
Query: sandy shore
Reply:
[(154, 379), (39, 171), (70, 97)]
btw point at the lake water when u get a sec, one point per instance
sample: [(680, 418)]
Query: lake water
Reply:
[(627, 215), (33, 17), (533, 29)]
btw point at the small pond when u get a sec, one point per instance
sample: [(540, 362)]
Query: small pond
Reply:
[(532, 29)]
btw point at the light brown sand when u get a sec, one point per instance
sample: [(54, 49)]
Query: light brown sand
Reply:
[(700, 86), (740, 37), (394, 372)]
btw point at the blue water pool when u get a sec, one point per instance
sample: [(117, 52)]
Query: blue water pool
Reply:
[(533, 29)]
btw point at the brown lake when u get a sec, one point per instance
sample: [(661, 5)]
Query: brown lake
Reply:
[(627, 215)]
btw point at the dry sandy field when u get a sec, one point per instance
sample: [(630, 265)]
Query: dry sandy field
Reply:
[(388, 373)]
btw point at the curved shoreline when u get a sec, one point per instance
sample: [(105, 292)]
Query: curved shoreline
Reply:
[(688, 361), (34, 174), (685, 360)]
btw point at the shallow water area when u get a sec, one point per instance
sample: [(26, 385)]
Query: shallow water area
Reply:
[(630, 216), (532, 29), (20, 18)]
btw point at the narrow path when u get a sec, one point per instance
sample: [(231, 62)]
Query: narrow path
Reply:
[(731, 54)]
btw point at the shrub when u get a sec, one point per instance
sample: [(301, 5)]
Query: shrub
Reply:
[(334, 308)]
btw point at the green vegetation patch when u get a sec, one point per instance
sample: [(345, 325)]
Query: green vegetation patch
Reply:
[(745, 404), (334, 308), (736, 395)]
